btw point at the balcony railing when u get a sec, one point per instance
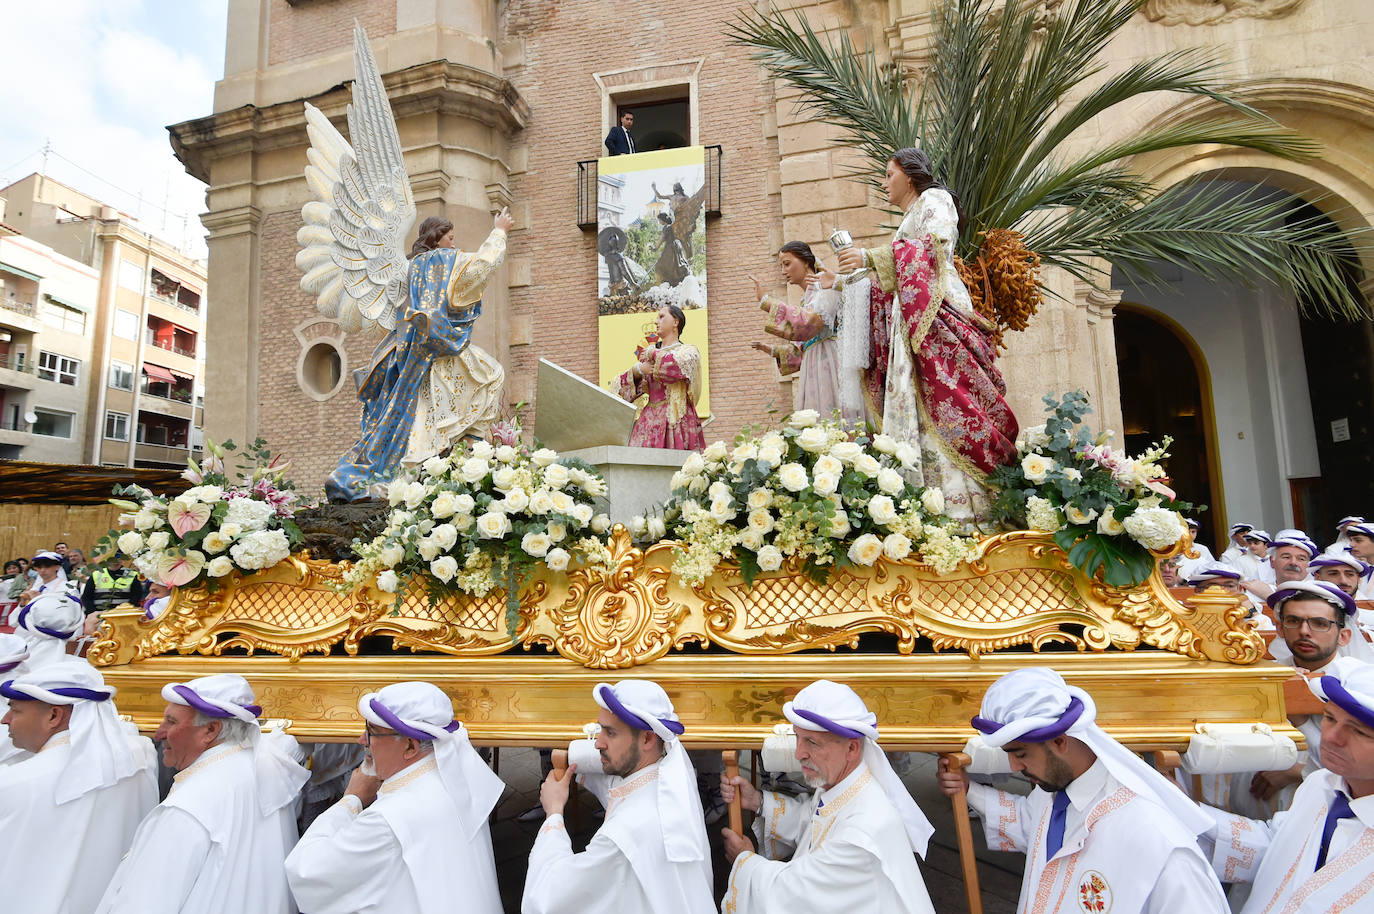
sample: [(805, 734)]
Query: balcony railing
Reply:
[(169, 346), (176, 303), (18, 363), (20, 305), (588, 196)]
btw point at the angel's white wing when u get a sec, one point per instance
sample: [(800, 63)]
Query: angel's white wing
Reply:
[(352, 250)]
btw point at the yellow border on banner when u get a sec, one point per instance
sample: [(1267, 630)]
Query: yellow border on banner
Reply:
[(644, 161)]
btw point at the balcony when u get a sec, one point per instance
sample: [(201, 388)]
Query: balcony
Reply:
[(168, 455), (174, 302), (169, 346), (17, 371), (20, 312), (588, 196)]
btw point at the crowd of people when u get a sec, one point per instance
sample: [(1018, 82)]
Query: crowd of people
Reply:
[(84, 826)]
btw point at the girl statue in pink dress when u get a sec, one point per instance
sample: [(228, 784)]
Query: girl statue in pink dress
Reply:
[(669, 375), (818, 349)]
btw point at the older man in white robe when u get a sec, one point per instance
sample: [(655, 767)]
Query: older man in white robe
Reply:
[(68, 812), (853, 843), (1101, 830), (218, 842), (410, 833), (14, 651), (1319, 855), (651, 853)]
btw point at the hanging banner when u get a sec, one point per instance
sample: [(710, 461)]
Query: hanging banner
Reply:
[(651, 252)]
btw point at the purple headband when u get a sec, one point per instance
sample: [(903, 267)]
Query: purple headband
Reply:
[(13, 694), (1284, 593), (401, 726), (1335, 692), (209, 710), (827, 723), (50, 632), (1044, 734), (633, 719)]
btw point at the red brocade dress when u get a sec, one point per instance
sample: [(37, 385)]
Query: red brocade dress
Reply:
[(672, 382), (933, 377)]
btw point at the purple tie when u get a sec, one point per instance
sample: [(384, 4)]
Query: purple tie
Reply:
[(1058, 816), (1340, 809)]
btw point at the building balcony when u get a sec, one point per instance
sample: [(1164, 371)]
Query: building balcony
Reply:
[(589, 202), (168, 346), (19, 313), (161, 453), (173, 406), (17, 373), (14, 437)]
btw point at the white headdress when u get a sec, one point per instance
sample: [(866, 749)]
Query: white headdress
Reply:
[(14, 650), (645, 706), (838, 709), (1348, 684), (421, 710), (100, 751), (228, 695), (1036, 705)]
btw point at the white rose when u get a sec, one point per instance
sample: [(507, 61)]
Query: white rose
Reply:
[(415, 495), (866, 549), (896, 546), (145, 519), (769, 558), (716, 450), (1073, 474), (482, 449), (890, 481), (751, 540), (719, 489), (562, 502), (693, 465), (493, 525), (387, 582), (131, 543), (678, 481), (544, 457), (828, 463), (159, 540), (770, 456), (761, 520), (556, 476), (206, 493), (813, 439), (558, 531), (803, 418), (1036, 467), (429, 550), (516, 501), (445, 504), (541, 502), (793, 477), (846, 451), (219, 567), (933, 500), (744, 452), (601, 523), (582, 514), (908, 455), (444, 568), (882, 510), (396, 492), (473, 470), (505, 453), (557, 559), (868, 465), (839, 525), (392, 555), (435, 466), (1108, 525), (446, 535), (825, 484), (464, 504), (885, 444), (1077, 515), (722, 510), (463, 522), (504, 479), (536, 544), (639, 526), (233, 531), (595, 486), (760, 498), (657, 529), (697, 485), (213, 542)]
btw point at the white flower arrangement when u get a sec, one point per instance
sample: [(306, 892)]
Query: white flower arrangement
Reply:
[(1107, 510), (806, 491), (482, 518), (218, 526)]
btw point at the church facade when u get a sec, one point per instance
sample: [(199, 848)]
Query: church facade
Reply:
[(498, 103)]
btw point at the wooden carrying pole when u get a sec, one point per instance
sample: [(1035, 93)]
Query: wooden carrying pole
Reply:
[(560, 764), (963, 830), (731, 758)]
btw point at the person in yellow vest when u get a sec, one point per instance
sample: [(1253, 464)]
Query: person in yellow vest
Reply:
[(110, 585)]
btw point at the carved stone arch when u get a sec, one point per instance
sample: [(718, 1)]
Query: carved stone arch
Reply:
[(1339, 180)]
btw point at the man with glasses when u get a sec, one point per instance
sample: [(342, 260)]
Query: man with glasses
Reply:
[(410, 833)]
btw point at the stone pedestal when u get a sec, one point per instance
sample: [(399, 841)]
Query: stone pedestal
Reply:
[(637, 478)]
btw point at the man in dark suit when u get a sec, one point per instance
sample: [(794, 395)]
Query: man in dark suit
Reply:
[(618, 141)]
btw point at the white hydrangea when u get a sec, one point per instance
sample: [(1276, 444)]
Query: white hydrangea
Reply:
[(1042, 515), (1155, 528), (261, 549), (248, 513)]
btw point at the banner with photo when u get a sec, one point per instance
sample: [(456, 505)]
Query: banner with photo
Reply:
[(651, 252)]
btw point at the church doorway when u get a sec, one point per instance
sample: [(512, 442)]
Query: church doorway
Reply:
[(1166, 390)]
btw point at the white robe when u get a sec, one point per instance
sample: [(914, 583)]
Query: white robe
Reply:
[(404, 853), (1120, 850), (57, 859), (852, 854), (625, 866), (207, 849), (1280, 856)]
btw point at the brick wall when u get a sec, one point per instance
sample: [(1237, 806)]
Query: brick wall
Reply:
[(315, 26)]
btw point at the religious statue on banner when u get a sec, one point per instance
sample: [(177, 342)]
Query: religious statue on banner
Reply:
[(668, 373), (427, 387), (932, 377)]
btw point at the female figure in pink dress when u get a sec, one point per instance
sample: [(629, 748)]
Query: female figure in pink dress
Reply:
[(669, 374), (818, 340)]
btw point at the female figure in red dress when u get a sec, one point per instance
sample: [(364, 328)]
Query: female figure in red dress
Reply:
[(669, 375)]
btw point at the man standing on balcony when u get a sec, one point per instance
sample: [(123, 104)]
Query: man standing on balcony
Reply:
[(618, 141)]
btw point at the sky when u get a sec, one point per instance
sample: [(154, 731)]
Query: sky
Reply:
[(100, 82)]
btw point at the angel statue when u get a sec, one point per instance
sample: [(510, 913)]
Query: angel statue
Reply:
[(427, 386)]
